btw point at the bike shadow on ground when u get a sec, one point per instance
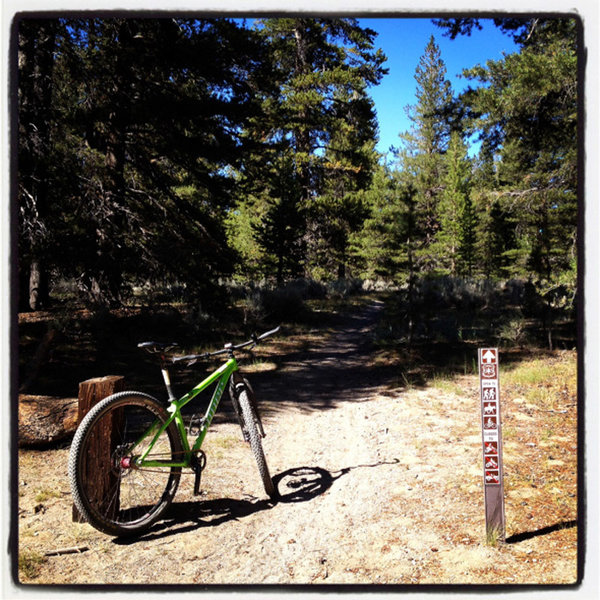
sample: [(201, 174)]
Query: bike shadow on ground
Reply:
[(299, 484)]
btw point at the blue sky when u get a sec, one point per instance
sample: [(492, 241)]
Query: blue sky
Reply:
[(403, 41)]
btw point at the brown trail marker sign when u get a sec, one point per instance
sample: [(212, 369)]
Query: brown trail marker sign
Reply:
[(493, 471)]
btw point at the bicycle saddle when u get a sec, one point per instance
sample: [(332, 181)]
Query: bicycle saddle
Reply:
[(157, 347)]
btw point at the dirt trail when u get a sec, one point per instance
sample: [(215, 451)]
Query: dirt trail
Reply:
[(334, 369), (378, 485)]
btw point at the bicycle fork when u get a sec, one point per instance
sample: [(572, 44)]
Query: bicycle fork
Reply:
[(236, 385)]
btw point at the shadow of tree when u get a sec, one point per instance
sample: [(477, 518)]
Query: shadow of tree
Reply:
[(527, 535)]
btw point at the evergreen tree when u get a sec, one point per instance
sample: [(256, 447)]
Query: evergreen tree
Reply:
[(149, 133), (422, 155), (37, 41), (339, 210), (378, 249), (455, 240), (321, 118), (241, 224), (280, 231), (527, 112)]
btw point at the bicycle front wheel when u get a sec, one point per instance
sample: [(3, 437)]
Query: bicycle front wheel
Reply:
[(112, 492), (250, 419)]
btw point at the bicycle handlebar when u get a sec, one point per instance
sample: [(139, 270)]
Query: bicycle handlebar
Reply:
[(227, 349), (262, 336)]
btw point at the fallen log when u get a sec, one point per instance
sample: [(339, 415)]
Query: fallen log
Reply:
[(45, 419)]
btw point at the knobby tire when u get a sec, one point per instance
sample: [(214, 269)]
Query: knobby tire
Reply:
[(110, 492), (250, 419)]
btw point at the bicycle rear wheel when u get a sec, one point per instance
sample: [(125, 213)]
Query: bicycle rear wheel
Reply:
[(112, 493), (250, 419)]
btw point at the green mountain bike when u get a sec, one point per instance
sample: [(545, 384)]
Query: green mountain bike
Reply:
[(128, 453)]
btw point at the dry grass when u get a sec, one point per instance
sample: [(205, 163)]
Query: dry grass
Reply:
[(393, 492)]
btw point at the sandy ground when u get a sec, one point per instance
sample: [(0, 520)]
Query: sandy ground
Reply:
[(379, 485)]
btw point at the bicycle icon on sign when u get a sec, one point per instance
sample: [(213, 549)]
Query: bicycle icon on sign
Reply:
[(490, 423)]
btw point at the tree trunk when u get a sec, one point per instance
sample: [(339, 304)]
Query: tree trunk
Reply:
[(342, 267), (39, 359), (38, 285), (301, 133), (37, 43), (94, 390), (280, 268), (411, 271), (98, 479), (45, 419)]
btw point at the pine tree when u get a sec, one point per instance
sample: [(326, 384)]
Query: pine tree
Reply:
[(141, 173), (280, 231), (455, 240), (339, 210), (37, 41), (424, 146), (320, 117), (378, 249), (527, 112)]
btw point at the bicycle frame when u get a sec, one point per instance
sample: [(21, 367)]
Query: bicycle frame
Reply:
[(222, 375)]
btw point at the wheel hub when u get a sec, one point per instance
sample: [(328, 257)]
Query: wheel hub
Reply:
[(126, 462)]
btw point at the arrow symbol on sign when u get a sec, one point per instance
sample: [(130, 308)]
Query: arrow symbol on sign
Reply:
[(489, 357)]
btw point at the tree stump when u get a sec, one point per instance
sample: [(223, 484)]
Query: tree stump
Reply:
[(97, 473), (94, 390)]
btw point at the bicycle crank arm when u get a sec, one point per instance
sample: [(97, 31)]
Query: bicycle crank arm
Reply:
[(198, 465)]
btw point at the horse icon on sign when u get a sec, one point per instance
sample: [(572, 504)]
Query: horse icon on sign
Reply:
[(489, 408)]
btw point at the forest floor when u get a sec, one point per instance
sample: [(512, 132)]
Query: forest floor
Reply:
[(380, 482)]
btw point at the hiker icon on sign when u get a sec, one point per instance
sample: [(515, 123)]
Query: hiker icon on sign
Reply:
[(489, 394)]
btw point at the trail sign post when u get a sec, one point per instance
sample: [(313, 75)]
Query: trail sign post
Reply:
[(493, 471)]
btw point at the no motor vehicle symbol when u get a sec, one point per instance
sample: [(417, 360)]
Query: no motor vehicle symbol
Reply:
[(491, 447)]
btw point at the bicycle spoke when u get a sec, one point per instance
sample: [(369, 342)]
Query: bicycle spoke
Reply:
[(115, 493)]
